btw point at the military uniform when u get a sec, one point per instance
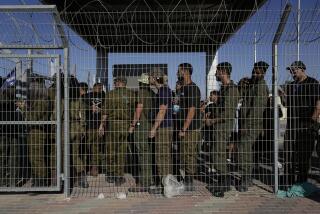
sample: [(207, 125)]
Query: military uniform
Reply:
[(227, 104), (251, 125), (144, 96), (77, 129), (9, 140), (38, 109), (119, 108)]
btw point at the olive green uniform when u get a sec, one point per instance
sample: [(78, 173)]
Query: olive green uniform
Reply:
[(119, 107), (39, 111), (143, 148), (77, 131), (227, 105), (254, 104)]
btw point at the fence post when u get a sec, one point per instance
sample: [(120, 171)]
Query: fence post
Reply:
[(66, 124), (275, 42)]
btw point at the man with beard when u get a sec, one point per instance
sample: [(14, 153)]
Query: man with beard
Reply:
[(223, 127), (254, 104), (189, 123), (162, 127), (302, 99)]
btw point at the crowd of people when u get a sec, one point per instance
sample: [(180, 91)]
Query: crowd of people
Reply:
[(157, 125)]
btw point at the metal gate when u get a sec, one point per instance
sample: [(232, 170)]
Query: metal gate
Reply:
[(30, 130)]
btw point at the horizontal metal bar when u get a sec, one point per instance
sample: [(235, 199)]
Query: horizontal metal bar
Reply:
[(31, 47), (27, 8), (28, 122), (29, 56), (29, 189)]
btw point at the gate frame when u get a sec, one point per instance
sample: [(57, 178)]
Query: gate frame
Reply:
[(57, 122), (65, 47)]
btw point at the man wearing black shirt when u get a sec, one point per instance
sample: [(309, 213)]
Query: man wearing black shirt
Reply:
[(303, 102), (95, 100), (190, 123)]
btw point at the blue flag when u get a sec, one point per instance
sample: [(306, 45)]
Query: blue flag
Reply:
[(10, 80)]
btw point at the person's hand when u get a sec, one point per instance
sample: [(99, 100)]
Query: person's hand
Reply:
[(101, 130), (96, 109), (208, 122), (152, 133), (182, 134), (131, 129), (21, 104)]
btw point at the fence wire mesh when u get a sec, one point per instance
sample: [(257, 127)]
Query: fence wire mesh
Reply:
[(162, 102)]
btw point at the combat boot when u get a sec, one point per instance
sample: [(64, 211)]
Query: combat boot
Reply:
[(244, 184), (222, 186), (188, 183), (81, 180)]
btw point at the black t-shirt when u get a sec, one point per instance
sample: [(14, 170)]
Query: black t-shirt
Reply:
[(189, 97), (302, 98)]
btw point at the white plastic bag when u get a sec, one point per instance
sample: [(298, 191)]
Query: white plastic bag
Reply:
[(172, 187)]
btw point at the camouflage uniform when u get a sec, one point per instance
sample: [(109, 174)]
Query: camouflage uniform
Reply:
[(254, 104), (227, 105), (119, 108)]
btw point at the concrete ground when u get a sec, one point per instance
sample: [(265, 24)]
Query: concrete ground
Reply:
[(254, 201)]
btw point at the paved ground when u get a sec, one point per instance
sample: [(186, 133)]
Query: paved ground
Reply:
[(254, 201)]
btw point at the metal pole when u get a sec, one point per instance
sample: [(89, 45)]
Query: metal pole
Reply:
[(275, 113), (255, 46), (66, 125), (58, 120), (298, 30), (275, 42)]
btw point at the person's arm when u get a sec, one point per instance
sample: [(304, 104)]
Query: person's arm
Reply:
[(316, 112), (104, 116), (231, 101), (190, 116), (136, 117), (160, 116)]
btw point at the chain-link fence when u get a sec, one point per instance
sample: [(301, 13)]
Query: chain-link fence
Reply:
[(164, 101)]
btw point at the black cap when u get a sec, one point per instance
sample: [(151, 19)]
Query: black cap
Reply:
[(297, 64), (261, 65), (225, 65)]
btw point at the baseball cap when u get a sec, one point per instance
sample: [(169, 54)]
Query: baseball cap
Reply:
[(225, 65), (144, 78), (297, 64)]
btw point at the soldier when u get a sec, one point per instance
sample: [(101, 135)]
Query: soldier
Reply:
[(302, 99), (94, 141), (223, 127), (118, 110), (189, 123), (77, 130), (140, 126), (254, 104), (37, 109), (9, 139), (162, 128)]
